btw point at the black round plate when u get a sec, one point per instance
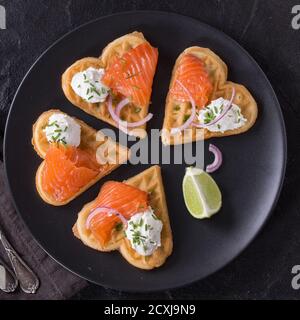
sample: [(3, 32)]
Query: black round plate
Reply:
[(250, 178)]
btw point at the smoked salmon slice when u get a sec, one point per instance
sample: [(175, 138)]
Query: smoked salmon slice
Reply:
[(125, 199), (192, 75), (67, 170), (131, 75)]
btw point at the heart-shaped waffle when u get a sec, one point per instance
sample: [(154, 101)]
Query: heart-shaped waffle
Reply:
[(91, 140), (121, 49), (177, 111), (150, 181)]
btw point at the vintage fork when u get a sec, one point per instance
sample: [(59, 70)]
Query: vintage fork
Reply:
[(29, 282)]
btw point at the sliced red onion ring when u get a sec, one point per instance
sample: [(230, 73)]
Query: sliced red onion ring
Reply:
[(190, 120), (112, 112), (116, 115), (220, 116), (217, 161), (107, 210), (120, 106)]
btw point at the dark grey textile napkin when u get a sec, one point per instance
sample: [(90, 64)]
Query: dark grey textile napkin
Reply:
[(55, 282)]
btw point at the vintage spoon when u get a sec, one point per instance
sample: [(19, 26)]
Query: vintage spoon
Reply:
[(8, 280), (29, 282)]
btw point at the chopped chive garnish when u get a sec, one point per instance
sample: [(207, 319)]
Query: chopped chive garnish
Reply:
[(89, 98), (141, 222), (51, 124), (137, 238), (92, 86), (136, 87), (119, 226), (95, 90), (131, 75), (63, 141), (56, 137), (137, 110), (185, 118), (209, 116)]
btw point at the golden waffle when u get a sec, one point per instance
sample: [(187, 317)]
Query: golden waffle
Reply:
[(100, 110), (217, 71), (150, 181), (90, 140)]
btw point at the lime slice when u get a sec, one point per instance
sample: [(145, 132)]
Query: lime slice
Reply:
[(202, 195)]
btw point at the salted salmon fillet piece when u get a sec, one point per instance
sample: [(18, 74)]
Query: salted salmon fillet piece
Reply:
[(192, 75), (67, 170), (125, 199), (131, 75)]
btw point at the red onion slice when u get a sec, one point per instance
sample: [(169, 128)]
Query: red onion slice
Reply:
[(137, 123), (121, 105), (117, 111), (116, 115), (227, 108), (107, 210), (217, 161), (112, 112), (190, 120)]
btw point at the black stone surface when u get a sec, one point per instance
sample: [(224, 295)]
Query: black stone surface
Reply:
[(263, 27)]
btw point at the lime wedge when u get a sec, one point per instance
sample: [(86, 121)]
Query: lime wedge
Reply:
[(202, 195)]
